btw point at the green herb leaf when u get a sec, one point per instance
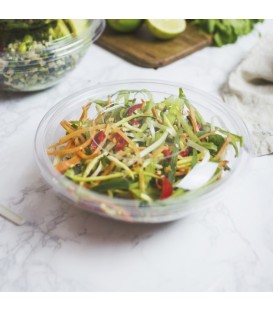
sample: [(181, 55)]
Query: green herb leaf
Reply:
[(226, 30), (217, 140), (122, 184)]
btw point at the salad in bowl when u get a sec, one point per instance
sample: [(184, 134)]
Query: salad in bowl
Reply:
[(140, 151)]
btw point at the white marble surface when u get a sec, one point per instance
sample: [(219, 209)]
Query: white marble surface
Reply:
[(228, 247)]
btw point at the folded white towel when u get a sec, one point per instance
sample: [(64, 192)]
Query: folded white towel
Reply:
[(249, 91)]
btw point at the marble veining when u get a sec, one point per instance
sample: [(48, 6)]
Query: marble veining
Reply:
[(226, 247)]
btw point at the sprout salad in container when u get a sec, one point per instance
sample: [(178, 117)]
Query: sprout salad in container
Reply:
[(37, 54), (139, 151)]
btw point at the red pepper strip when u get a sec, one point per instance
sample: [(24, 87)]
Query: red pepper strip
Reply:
[(167, 188), (99, 137), (121, 142), (185, 153), (135, 123), (167, 153), (131, 110)]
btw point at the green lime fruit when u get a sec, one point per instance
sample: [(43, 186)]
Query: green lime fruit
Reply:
[(124, 25), (166, 28)]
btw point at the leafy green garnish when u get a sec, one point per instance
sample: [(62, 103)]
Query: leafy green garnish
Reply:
[(217, 140), (113, 184), (226, 31)]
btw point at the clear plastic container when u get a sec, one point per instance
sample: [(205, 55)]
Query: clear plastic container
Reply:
[(40, 57), (49, 131)]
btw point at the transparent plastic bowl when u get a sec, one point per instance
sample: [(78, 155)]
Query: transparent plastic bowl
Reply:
[(49, 131), (48, 61)]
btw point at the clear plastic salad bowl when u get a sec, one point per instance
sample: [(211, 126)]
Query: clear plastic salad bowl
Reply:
[(129, 210), (33, 59)]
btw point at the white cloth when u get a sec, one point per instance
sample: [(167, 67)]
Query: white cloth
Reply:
[(249, 91)]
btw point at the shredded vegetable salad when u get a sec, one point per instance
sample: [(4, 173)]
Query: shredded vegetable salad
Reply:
[(137, 148)]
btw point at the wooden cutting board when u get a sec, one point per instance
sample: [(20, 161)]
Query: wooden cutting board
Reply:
[(142, 49)]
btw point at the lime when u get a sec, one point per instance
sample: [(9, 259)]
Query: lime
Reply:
[(166, 28), (124, 25)]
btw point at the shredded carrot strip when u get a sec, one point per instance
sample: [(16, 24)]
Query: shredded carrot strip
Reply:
[(82, 155), (69, 144), (66, 164), (193, 120), (70, 150), (76, 133), (80, 131), (66, 125), (77, 141), (154, 111), (204, 136), (223, 148), (57, 144), (108, 169), (84, 112)]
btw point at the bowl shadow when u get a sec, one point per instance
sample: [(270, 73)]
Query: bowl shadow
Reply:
[(58, 220)]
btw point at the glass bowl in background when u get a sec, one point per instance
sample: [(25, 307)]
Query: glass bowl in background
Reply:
[(19, 24), (49, 132), (40, 53)]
